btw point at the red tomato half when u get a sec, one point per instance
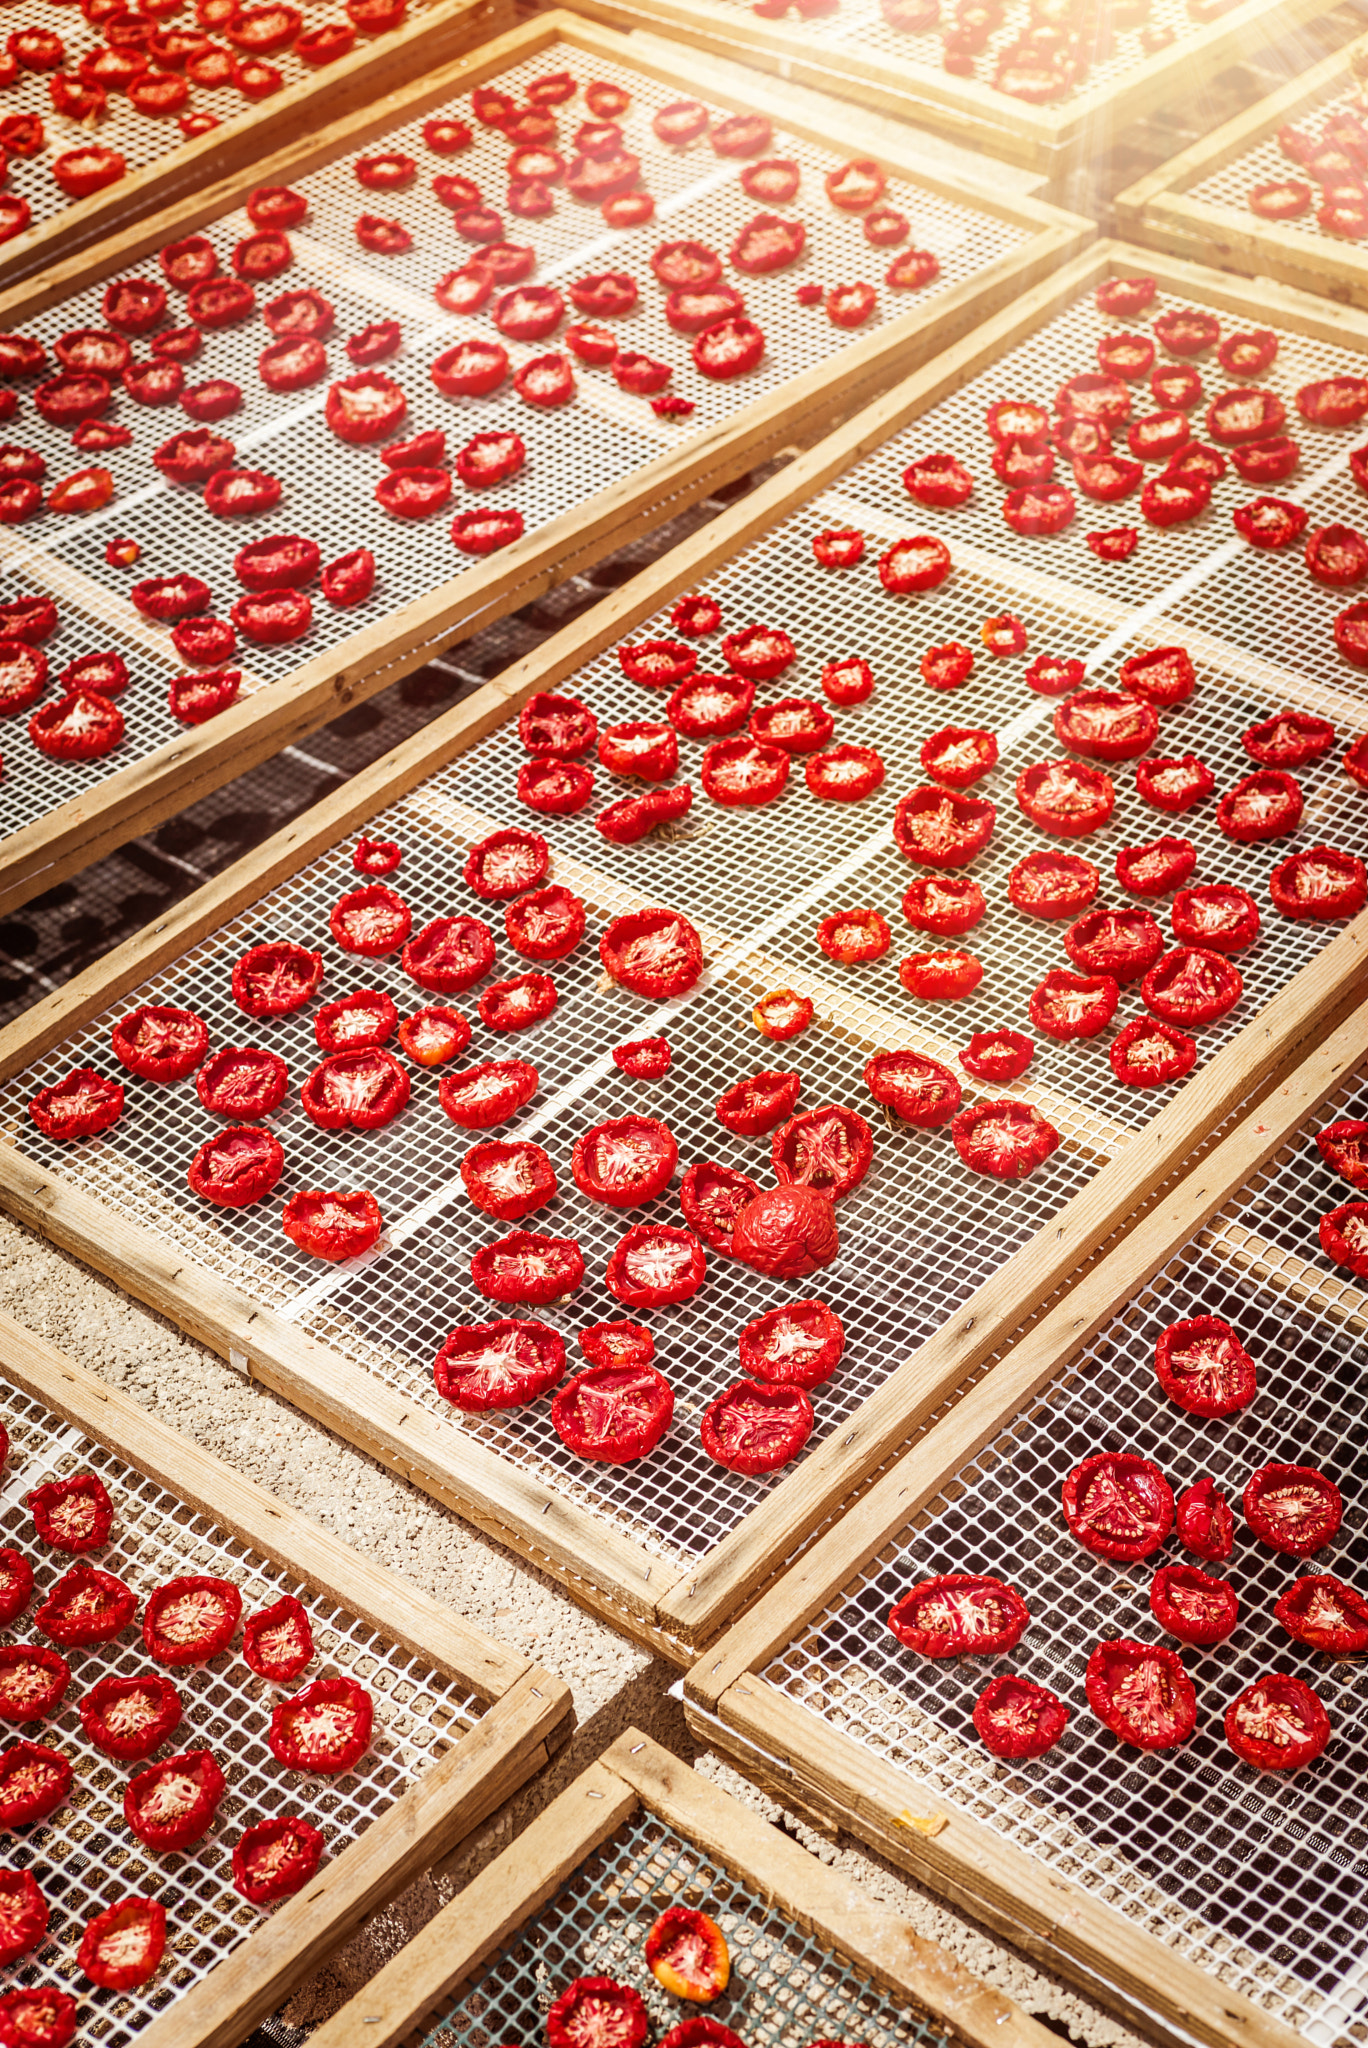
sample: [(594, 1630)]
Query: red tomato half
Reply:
[(1118, 1505), (1148, 1054), (86, 1605), (960, 1614), (508, 1363), (172, 1804), (1016, 1718), (1066, 797), (1191, 986), (326, 1728), (123, 1946), (1053, 885), (1006, 1139), (624, 1162), (33, 1681), (612, 1414), (75, 1514), (1326, 1615), (1321, 882), (1142, 1693), (655, 1265), (277, 1641), (1277, 1724), (160, 1043), (506, 1180), (753, 1429), (358, 1091), (449, 955), (480, 1097), (654, 953), (828, 1150), (939, 828), (129, 1718), (1204, 1368), (275, 1859), (1292, 1508), (1068, 1005), (1192, 1605), (332, 1225)]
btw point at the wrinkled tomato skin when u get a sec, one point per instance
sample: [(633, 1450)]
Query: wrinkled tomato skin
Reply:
[(526, 1267), (34, 1782), (754, 1428), (275, 1859), (1192, 1605), (144, 1795), (655, 1265), (1204, 1368), (997, 1056), (960, 1614), (1112, 1694), (190, 1619), (828, 1150), (159, 1709), (753, 1107), (1017, 1719), (1276, 1703), (1069, 1006), (1118, 1505), (800, 1345), (277, 1641), (508, 1181), (1292, 1508), (499, 1365), (1344, 1146), (1191, 986), (712, 1197), (33, 1681), (16, 1585), (625, 1161), (786, 1232), (914, 1086), (942, 976), (1325, 1614), (86, 1606), (613, 1415), (123, 1946), (75, 1514), (1156, 868), (947, 905), (339, 1746), (1006, 1140), (1206, 1526), (597, 2009)]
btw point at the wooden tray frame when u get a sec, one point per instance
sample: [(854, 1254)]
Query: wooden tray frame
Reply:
[(444, 30), (674, 1612), (637, 1774), (133, 800), (1157, 210), (801, 1758), (1038, 138), (529, 1718)]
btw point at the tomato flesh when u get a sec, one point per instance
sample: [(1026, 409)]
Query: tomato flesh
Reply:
[(1277, 1724), (960, 1614), (1294, 1509), (1118, 1505), (1018, 1719), (1142, 1693)]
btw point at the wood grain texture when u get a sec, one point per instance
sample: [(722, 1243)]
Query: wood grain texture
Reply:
[(1048, 1916)]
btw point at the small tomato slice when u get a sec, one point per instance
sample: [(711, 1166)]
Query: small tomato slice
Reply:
[(1292, 1508), (798, 1346), (277, 1642), (191, 1619), (753, 1107), (1192, 1605), (960, 1614), (480, 1097), (783, 1013), (1325, 1614), (1192, 986), (1053, 885), (326, 1728), (687, 1955), (598, 2012), (275, 1859), (1205, 1524), (655, 1265), (754, 1429), (1148, 1054), (854, 936), (172, 1804), (625, 1161), (332, 1225), (612, 1414), (1118, 1505), (75, 1514), (654, 953), (129, 1718), (505, 1180), (499, 1365), (1155, 868), (1142, 1693), (712, 1197), (1016, 1718), (1204, 1368), (123, 1946), (1277, 1724), (33, 1681), (1066, 1006), (1006, 1140)]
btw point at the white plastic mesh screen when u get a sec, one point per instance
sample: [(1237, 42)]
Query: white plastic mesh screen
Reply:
[(84, 1857), (1264, 163), (1256, 1876), (574, 452), (141, 139), (787, 1987), (922, 1231), (858, 29)]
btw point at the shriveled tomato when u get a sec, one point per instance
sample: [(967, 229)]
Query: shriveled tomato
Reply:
[(1006, 1140), (1325, 1614), (1277, 1724), (507, 1363), (506, 1180), (1119, 1505), (959, 755), (613, 1414), (1192, 986), (945, 668), (787, 1232), (625, 1161), (1065, 797), (277, 1642), (1192, 1605), (783, 1013), (753, 1107), (172, 1804), (853, 936), (918, 563), (686, 1952), (1066, 1005), (1148, 1054), (941, 480), (326, 1728), (1294, 1509), (960, 1614), (276, 978), (945, 975), (754, 1429), (1052, 885), (1154, 869), (16, 1584), (506, 863), (86, 1605), (1141, 1692), (1344, 1146), (594, 2010), (480, 1097), (941, 828), (75, 1514), (1204, 1368), (275, 1859), (828, 1150), (1106, 725), (188, 1620), (129, 1718), (449, 955), (1320, 882), (34, 1782), (122, 1947), (1016, 1718), (360, 1090), (654, 953), (160, 1042), (712, 1197), (81, 1105)]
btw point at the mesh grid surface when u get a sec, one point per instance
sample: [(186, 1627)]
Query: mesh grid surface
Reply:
[(574, 452), (922, 1231), (139, 138), (858, 29), (84, 1857), (1258, 1877), (1264, 163), (786, 1989)]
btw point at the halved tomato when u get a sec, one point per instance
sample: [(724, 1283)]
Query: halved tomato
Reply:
[(960, 1614)]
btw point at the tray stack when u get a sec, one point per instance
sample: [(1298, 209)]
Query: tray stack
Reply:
[(598, 472)]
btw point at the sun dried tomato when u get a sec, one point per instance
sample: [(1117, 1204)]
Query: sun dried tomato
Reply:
[(122, 1947), (960, 1614), (1265, 805), (1043, 508), (1106, 725), (1277, 1724), (1266, 462), (520, 1267), (712, 1197), (1141, 1692), (1320, 882), (828, 1150), (33, 1782), (915, 1087), (940, 828), (1174, 784), (274, 979), (729, 348), (940, 976), (1337, 555), (332, 1225), (1280, 199), (31, 619), (839, 547), (612, 1414), (1338, 401), (558, 788), (366, 407), (705, 707), (23, 676), (852, 936), (129, 1718), (80, 1106), (1074, 1006), (1192, 986), (1294, 1509), (1052, 884), (367, 1017), (488, 1094), (326, 1728), (752, 1429), (160, 1043), (242, 1082), (1148, 1054), (1325, 1614), (172, 1804), (360, 1090), (1006, 1139), (189, 1620), (74, 1515), (1118, 1505), (86, 1606), (33, 1681), (1344, 1237), (449, 955), (1016, 1718), (1204, 1368), (517, 1003), (195, 698), (1065, 797), (1205, 1524), (1121, 943), (16, 1579), (238, 1166), (1217, 915), (276, 1858), (1344, 1146), (75, 396), (654, 953), (507, 1181)]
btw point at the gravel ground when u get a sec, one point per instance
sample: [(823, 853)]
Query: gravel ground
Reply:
[(615, 1684)]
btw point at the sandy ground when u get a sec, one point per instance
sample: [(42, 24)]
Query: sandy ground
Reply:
[(615, 1684)]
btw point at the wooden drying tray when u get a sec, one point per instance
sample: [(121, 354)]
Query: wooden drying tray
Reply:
[(675, 1611), (1048, 139), (132, 800), (1160, 211), (801, 1757), (444, 29), (528, 1713), (637, 1776)]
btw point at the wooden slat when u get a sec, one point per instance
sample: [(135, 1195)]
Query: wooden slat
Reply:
[(1044, 1351), (1040, 138), (634, 1775), (1048, 1916), (1159, 209)]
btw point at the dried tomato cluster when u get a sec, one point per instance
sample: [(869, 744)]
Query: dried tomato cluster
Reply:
[(1039, 63), (128, 1715), (152, 64), (1331, 167)]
